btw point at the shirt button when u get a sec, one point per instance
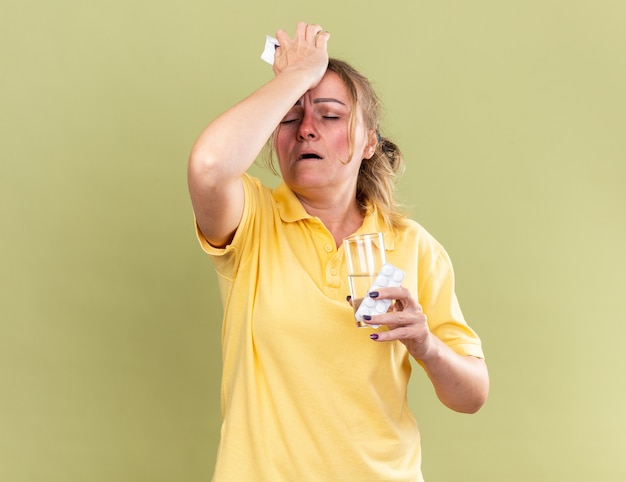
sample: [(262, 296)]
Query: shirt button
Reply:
[(328, 248), (333, 271)]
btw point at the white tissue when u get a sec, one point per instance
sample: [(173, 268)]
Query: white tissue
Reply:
[(268, 52)]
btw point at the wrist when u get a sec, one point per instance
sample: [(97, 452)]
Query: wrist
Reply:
[(429, 350), (304, 78)]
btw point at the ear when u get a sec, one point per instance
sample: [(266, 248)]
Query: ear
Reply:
[(370, 146)]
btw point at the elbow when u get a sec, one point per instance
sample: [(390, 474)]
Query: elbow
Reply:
[(468, 405), (473, 400), (203, 169), (200, 160), (472, 395), (473, 406)]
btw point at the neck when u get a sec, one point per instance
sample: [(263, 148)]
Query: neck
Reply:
[(340, 219)]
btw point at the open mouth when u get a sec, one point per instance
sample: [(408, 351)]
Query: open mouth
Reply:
[(309, 155)]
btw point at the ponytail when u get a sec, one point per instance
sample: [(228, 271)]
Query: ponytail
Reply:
[(376, 184)]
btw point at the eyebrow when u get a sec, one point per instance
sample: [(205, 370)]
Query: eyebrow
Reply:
[(322, 100), (327, 99)]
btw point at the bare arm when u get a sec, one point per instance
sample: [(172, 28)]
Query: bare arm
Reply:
[(461, 382), (230, 144)]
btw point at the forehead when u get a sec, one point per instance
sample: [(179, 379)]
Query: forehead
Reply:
[(331, 86)]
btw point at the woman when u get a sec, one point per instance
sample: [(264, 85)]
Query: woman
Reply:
[(306, 395)]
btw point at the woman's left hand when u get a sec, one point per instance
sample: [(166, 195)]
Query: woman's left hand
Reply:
[(460, 381), (405, 319)]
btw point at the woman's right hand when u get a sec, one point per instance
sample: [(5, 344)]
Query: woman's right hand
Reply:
[(228, 146), (307, 52)]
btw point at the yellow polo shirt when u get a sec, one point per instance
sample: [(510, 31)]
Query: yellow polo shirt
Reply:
[(307, 396)]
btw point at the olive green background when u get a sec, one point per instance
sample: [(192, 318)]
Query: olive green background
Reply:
[(511, 115)]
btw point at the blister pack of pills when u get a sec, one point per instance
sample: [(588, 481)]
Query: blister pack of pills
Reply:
[(389, 276)]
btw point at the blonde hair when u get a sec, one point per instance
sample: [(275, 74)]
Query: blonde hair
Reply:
[(377, 176)]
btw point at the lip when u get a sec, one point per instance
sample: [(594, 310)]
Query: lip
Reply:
[(309, 155)]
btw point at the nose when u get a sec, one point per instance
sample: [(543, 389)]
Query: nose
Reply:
[(307, 129)]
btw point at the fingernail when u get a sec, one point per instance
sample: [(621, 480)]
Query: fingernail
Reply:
[(367, 317), (373, 294), (374, 336), (348, 298)]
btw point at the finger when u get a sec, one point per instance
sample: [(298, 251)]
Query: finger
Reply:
[(312, 31), (399, 293), (282, 36), (402, 333), (395, 319), (301, 29), (322, 39)]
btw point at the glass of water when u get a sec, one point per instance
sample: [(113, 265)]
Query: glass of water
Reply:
[(365, 254)]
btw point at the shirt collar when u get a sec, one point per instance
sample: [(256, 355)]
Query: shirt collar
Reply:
[(289, 206), (374, 223), (291, 210)]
